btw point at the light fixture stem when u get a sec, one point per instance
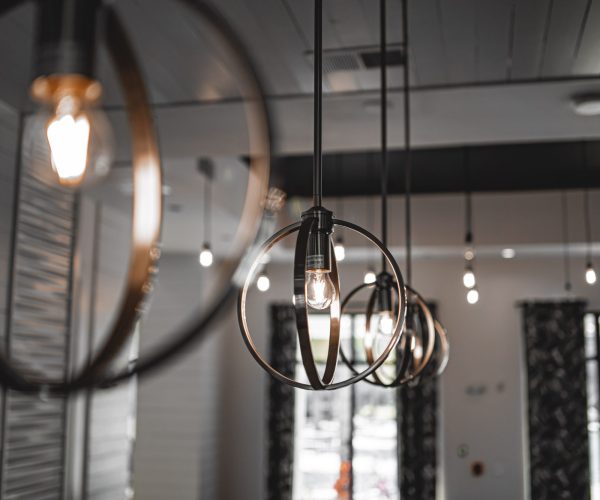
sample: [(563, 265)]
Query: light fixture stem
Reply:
[(384, 152), (207, 208), (407, 147), (565, 230), (468, 199), (318, 90), (586, 211)]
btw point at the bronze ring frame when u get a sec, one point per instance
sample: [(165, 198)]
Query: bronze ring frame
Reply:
[(442, 336), (147, 213), (403, 348), (317, 383)]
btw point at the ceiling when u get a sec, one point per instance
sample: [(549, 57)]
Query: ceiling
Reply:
[(496, 75)]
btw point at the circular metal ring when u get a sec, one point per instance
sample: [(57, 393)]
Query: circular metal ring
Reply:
[(443, 354), (402, 347), (398, 326), (258, 121)]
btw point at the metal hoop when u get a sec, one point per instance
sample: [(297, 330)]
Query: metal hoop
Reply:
[(402, 347), (442, 335), (398, 326)]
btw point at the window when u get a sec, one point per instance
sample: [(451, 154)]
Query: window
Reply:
[(356, 425)]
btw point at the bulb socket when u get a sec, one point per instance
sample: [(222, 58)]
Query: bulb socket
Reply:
[(384, 283), (65, 42), (318, 256)]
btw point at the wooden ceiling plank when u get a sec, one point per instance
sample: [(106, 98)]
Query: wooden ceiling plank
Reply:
[(494, 38), (530, 22), (587, 60), (458, 26), (563, 31)]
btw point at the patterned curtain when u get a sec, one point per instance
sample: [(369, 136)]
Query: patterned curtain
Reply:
[(556, 384), (417, 433), (281, 409)]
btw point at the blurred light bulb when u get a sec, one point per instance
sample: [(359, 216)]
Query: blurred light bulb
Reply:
[(508, 253), (206, 256), (370, 277), (469, 253), (385, 323), (263, 283), (339, 250), (319, 289), (469, 278), (473, 296), (590, 275), (68, 137)]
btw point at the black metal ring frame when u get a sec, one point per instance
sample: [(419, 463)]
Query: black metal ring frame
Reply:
[(317, 383), (404, 353), (140, 117)]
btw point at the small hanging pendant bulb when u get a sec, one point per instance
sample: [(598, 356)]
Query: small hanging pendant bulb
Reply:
[(473, 296), (206, 256), (263, 283), (590, 274), (469, 278), (339, 249), (370, 277)]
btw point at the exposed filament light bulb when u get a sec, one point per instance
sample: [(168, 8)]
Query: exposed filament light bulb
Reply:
[(370, 277), (319, 289), (68, 133), (385, 323), (590, 274), (263, 283)]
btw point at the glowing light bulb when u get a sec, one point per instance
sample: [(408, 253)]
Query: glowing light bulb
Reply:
[(68, 137), (469, 278), (263, 283), (370, 277), (385, 323), (319, 289), (340, 251), (473, 296), (206, 256), (590, 275)]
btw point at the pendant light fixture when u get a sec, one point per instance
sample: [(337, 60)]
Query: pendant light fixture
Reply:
[(315, 277), (469, 279), (206, 256), (564, 203), (590, 272), (416, 347), (65, 53)]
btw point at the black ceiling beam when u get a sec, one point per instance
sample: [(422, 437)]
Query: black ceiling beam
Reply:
[(498, 167)]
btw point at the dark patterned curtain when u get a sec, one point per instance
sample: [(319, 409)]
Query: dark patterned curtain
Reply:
[(556, 384), (417, 433), (281, 401)]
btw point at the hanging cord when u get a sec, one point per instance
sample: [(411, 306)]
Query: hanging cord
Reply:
[(384, 155), (206, 169), (340, 178), (565, 231), (586, 210), (468, 200), (318, 90), (407, 147)]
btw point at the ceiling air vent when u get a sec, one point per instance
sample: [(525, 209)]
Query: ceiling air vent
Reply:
[(372, 59), (357, 58)]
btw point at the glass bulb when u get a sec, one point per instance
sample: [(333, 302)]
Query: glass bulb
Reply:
[(369, 277), (469, 278), (69, 143), (340, 251), (385, 323), (263, 283), (473, 296), (206, 256), (590, 275), (319, 289)]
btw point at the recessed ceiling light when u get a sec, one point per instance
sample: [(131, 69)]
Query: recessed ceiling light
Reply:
[(586, 105), (508, 253)]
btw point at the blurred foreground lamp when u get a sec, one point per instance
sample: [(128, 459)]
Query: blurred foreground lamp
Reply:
[(469, 280), (315, 278), (69, 128)]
